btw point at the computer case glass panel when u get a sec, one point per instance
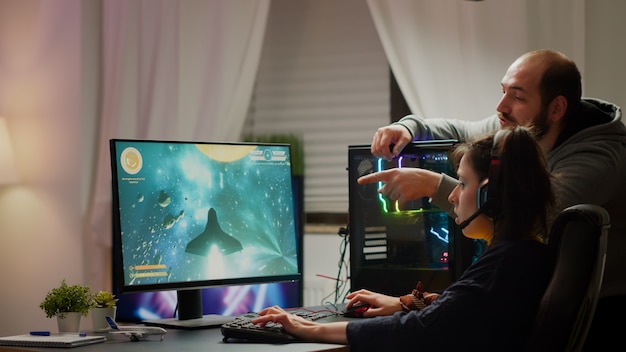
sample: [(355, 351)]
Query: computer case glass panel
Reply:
[(393, 246)]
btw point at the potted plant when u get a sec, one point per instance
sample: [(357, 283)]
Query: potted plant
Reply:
[(68, 303), (104, 304)]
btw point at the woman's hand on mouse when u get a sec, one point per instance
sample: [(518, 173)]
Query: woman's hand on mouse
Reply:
[(381, 304)]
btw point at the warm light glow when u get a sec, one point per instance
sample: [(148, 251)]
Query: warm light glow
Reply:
[(8, 171)]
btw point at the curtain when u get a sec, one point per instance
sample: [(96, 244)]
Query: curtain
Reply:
[(461, 49), (171, 70)]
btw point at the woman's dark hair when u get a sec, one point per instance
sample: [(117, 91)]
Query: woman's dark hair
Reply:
[(524, 194)]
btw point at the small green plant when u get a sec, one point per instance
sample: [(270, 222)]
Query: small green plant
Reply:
[(67, 298), (104, 299)]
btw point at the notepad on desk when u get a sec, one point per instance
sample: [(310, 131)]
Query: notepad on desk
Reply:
[(53, 340)]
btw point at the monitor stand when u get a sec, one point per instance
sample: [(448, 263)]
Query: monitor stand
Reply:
[(205, 322), (190, 314)]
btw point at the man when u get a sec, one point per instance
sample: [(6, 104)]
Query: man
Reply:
[(584, 141)]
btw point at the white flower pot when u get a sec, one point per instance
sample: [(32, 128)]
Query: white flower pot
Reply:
[(98, 317), (69, 321)]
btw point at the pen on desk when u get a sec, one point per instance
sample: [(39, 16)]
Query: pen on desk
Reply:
[(47, 333)]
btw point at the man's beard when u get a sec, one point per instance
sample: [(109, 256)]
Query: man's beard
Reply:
[(541, 124)]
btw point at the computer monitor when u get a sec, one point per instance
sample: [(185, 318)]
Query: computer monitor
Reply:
[(192, 215), (392, 246)]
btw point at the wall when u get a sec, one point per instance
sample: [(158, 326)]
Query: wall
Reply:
[(322, 254), (40, 95), (605, 75)]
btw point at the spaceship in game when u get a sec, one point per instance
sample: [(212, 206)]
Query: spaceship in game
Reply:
[(213, 235)]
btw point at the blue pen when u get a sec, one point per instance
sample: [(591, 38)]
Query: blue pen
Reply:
[(47, 333)]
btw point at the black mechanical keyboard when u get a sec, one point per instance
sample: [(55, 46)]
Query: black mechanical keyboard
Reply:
[(242, 328)]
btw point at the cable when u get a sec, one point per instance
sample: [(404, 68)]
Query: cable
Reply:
[(341, 284), (341, 287)]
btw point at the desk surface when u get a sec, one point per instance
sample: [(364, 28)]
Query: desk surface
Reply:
[(182, 341)]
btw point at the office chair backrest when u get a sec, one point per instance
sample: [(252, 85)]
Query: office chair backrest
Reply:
[(578, 239)]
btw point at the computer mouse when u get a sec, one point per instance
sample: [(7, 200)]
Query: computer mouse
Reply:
[(357, 310)]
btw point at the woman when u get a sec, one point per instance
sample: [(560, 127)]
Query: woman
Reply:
[(493, 304)]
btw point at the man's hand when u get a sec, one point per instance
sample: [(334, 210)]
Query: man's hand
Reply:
[(404, 184), (385, 136)]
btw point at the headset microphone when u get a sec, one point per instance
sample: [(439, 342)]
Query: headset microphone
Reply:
[(467, 221)]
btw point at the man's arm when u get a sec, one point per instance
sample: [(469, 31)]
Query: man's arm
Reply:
[(461, 130), (412, 127), (440, 197)]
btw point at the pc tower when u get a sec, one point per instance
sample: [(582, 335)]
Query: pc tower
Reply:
[(392, 246)]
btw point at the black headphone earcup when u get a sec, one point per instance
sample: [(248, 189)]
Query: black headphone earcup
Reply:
[(482, 196), (488, 198)]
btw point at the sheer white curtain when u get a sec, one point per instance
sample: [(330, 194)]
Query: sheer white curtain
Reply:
[(460, 49), (180, 69)]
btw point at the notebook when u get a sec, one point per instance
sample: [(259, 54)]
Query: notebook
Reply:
[(54, 340)]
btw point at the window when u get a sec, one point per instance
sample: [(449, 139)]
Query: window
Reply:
[(324, 76)]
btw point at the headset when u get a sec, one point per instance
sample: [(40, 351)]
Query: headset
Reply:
[(486, 197)]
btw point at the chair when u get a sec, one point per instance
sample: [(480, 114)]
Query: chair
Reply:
[(578, 238)]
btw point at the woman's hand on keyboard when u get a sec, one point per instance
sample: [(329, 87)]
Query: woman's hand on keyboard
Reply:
[(303, 328), (290, 322)]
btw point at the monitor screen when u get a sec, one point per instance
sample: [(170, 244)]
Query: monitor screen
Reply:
[(393, 245), (191, 215)]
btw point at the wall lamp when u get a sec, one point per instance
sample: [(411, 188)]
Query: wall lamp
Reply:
[(8, 170)]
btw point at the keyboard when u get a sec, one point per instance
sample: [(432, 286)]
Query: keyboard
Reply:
[(242, 328)]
